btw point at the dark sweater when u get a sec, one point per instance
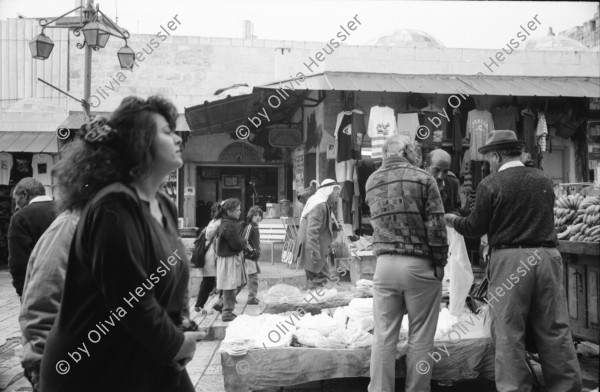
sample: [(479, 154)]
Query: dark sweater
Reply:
[(513, 207), (127, 278), (26, 227), (229, 242)]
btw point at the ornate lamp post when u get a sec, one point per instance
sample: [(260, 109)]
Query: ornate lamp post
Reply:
[(97, 29)]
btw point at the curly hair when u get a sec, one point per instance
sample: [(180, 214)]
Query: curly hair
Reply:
[(87, 167), (253, 211)]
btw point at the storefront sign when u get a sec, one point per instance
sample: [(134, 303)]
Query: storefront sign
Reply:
[(298, 168), (239, 152), (285, 137)]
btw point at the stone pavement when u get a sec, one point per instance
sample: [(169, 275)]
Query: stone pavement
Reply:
[(205, 368)]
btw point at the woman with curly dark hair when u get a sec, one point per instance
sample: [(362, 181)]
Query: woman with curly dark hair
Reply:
[(127, 274)]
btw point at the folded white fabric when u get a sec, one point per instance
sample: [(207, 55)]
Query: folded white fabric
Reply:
[(364, 283)]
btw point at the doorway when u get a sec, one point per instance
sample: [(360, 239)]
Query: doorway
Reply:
[(251, 185)]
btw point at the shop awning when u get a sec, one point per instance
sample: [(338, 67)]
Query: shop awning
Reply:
[(448, 84), (34, 142), (76, 119), (225, 115)]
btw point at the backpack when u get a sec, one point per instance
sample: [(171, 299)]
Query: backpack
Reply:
[(200, 249)]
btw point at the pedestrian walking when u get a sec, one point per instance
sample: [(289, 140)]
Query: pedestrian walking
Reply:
[(514, 207), (315, 234), (231, 274), (127, 273), (209, 271), (410, 242), (35, 213), (43, 290), (252, 251)]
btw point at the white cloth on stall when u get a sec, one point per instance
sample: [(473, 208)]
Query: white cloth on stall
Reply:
[(6, 164), (247, 332)]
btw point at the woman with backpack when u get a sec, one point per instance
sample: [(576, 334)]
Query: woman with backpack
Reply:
[(231, 273), (209, 270)]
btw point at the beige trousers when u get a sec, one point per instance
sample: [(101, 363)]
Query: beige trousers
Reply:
[(403, 283)]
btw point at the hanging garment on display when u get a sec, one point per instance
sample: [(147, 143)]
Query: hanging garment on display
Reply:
[(21, 167), (479, 126), (382, 124), (345, 171), (343, 137), (358, 132), (456, 130), (407, 124), (431, 135), (529, 132), (356, 205), (465, 167), (42, 165), (6, 163), (347, 194), (542, 132), (505, 117)]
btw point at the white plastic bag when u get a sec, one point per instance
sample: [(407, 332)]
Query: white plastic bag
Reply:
[(461, 274)]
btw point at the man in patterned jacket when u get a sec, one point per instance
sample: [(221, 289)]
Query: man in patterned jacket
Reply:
[(410, 242)]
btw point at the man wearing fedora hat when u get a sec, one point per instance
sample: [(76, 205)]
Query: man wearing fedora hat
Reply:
[(514, 207)]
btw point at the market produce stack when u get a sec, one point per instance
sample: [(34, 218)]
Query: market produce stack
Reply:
[(577, 218)]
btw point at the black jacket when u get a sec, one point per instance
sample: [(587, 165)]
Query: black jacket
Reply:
[(252, 250), (25, 229), (229, 242)]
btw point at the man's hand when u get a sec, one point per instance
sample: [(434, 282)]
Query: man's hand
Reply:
[(439, 273), (449, 218), (186, 351)]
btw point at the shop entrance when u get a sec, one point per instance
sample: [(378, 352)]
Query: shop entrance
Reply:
[(256, 185)]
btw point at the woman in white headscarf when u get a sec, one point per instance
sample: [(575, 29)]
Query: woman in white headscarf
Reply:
[(315, 235)]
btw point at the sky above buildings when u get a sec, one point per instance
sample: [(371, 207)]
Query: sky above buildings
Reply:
[(457, 24)]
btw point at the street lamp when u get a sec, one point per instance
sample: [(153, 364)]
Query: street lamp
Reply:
[(41, 47), (97, 29)]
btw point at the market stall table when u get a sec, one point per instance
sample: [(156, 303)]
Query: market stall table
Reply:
[(582, 286), (285, 366)]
